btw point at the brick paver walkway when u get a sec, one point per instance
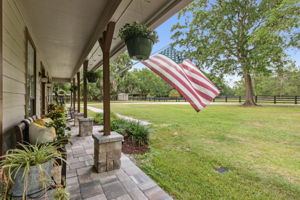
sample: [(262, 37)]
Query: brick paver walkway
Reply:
[(127, 183)]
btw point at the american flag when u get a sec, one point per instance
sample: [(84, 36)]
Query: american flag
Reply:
[(185, 77)]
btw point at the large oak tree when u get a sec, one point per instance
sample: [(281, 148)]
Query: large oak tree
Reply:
[(239, 36)]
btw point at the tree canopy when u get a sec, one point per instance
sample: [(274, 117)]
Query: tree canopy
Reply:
[(243, 37)]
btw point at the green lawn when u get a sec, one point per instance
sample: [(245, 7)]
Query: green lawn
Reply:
[(260, 147)]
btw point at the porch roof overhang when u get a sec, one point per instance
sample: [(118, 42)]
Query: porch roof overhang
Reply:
[(66, 32)]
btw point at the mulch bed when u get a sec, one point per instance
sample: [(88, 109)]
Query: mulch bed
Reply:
[(129, 147)]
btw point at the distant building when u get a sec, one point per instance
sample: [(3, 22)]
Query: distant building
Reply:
[(122, 97)]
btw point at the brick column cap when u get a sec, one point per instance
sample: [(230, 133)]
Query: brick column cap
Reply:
[(88, 119), (113, 137), (78, 114)]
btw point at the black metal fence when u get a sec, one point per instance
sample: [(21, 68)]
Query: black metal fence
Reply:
[(229, 99), (223, 99)]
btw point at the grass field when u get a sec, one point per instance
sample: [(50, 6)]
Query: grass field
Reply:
[(260, 147)]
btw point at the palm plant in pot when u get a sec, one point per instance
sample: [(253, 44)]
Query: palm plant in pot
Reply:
[(27, 171), (91, 76), (139, 40)]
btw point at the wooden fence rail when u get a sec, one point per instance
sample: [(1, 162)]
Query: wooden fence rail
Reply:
[(229, 99), (224, 99)]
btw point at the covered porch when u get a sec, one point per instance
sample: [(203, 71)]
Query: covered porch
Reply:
[(59, 41)]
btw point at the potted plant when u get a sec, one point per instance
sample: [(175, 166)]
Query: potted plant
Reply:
[(27, 170), (91, 76), (139, 40), (60, 125), (73, 88), (61, 93), (59, 122)]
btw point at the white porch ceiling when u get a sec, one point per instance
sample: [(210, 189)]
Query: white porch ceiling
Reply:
[(66, 31), (150, 12), (61, 29)]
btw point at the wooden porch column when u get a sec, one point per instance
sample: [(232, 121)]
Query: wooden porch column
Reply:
[(71, 98), (43, 93), (1, 80), (78, 92), (74, 95), (85, 88), (105, 44)]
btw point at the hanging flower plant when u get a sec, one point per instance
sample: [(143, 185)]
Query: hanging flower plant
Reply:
[(139, 40), (91, 76), (73, 88)]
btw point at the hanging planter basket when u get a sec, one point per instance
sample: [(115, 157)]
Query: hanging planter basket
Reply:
[(91, 76), (139, 40), (73, 88), (139, 48)]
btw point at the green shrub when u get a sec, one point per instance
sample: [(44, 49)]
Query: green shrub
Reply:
[(174, 93), (139, 134), (99, 118), (134, 131), (120, 126)]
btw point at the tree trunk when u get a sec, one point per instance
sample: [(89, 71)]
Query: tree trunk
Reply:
[(249, 92)]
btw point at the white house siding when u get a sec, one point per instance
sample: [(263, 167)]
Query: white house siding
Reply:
[(14, 65)]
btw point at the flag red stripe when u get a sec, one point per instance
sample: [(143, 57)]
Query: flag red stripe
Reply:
[(187, 60), (180, 81), (200, 83), (203, 85), (174, 86), (186, 83), (196, 71), (211, 88), (181, 71), (186, 78), (200, 91)]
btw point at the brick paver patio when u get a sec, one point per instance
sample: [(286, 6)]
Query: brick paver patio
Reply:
[(127, 183)]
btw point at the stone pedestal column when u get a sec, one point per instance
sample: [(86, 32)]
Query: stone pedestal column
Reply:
[(86, 126), (73, 112), (70, 110), (76, 118), (107, 152)]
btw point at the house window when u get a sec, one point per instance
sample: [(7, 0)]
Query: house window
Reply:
[(30, 78)]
